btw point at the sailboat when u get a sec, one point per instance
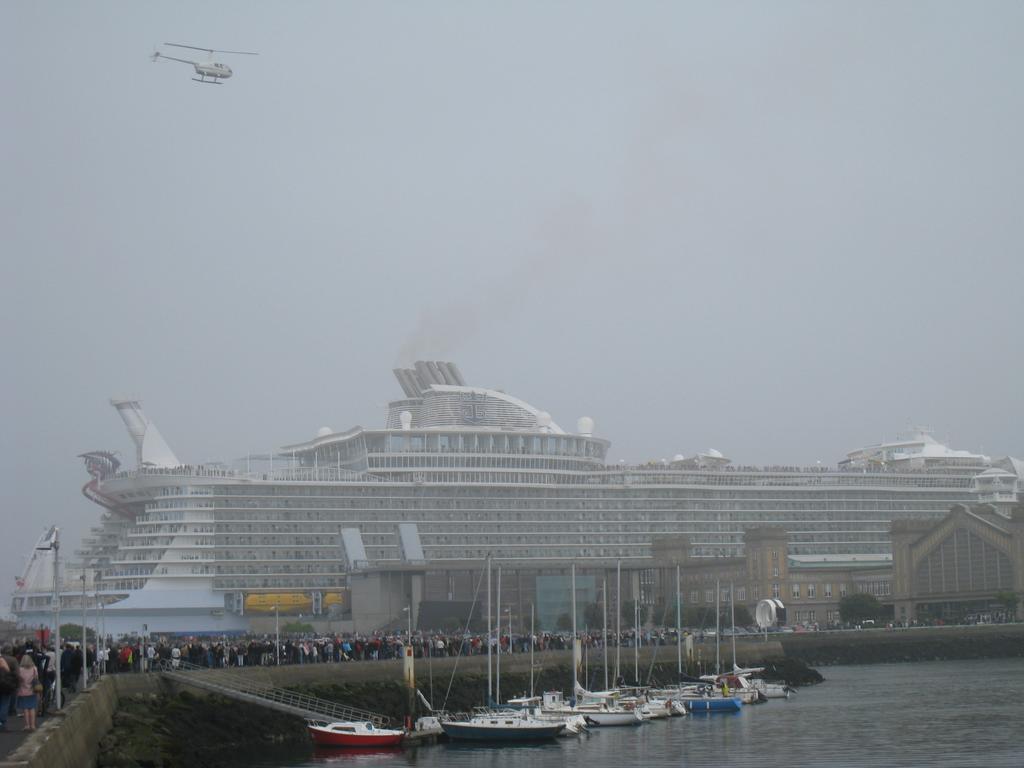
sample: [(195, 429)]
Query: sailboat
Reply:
[(598, 708), (738, 684), (500, 725)]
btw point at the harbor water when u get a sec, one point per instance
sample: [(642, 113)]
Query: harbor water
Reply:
[(947, 714)]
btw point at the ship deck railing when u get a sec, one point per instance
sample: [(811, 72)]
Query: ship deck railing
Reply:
[(284, 474)]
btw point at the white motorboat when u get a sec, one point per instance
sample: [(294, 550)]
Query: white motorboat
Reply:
[(768, 690), (599, 713)]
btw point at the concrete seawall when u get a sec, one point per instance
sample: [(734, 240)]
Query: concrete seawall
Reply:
[(70, 738)]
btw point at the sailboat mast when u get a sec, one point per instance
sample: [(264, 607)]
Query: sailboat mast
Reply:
[(679, 627), (604, 633), (574, 659), (618, 617), (718, 628), (636, 641), (531, 650), (497, 645), (732, 611), (490, 685)]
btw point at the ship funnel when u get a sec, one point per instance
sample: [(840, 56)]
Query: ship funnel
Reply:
[(150, 448)]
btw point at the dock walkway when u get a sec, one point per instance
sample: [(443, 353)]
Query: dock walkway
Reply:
[(264, 694)]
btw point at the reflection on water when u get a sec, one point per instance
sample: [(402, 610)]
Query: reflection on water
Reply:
[(384, 755), (934, 715)]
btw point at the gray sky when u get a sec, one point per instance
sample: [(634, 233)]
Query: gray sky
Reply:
[(783, 230)]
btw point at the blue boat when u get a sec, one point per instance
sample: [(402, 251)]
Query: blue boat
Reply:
[(713, 704)]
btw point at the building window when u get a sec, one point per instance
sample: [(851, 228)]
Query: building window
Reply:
[(810, 616), (741, 594), (775, 554), (775, 590), (775, 571), (694, 596), (828, 590), (842, 590), (794, 590), (812, 591)]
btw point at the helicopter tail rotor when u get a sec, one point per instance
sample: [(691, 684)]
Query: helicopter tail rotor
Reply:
[(155, 56)]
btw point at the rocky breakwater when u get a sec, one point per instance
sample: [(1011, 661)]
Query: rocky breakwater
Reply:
[(885, 646)]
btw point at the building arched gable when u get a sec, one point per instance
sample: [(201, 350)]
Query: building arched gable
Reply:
[(963, 554)]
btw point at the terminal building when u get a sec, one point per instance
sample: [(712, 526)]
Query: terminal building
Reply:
[(352, 529)]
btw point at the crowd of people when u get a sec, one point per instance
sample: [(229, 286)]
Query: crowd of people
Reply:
[(28, 669), (141, 654), (28, 674)]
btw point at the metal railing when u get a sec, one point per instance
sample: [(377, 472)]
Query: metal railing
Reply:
[(244, 688)]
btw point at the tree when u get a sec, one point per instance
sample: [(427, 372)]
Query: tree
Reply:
[(853, 609), (297, 628), (743, 617), (628, 617), (593, 616), (1008, 600), (697, 617), (72, 633)]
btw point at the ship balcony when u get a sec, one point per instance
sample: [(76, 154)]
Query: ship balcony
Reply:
[(128, 574), (154, 558), (170, 542), (178, 506), (182, 574), (170, 530)]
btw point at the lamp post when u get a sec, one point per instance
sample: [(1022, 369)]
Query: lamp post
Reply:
[(54, 546)]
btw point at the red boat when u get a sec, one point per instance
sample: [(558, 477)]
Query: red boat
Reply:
[(362, 734)]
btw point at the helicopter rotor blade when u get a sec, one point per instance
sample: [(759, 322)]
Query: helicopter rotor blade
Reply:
[(165, 57), (193, 47), (212, 51)]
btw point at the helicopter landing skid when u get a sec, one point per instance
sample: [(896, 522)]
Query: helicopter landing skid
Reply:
[(209, 82)]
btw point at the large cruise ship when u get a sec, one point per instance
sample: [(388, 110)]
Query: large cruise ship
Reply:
[(458, 473)]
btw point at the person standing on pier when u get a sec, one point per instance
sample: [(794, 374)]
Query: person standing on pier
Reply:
[(28, 689), (8, 684)]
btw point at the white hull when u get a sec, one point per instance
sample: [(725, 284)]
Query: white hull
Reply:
[(603, 718)]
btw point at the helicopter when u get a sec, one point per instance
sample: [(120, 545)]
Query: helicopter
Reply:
[(214, 70)]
